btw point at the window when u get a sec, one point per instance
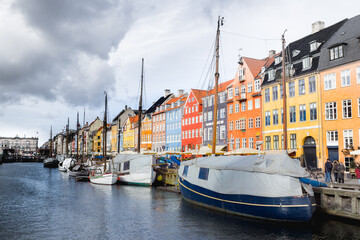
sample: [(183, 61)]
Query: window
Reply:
[(126, 165), (267, 95), (237, 107), (243, 91), (210, 136), (275, 93), (185, 171), (243, 123), (222, 113), (330, 111), (358, 75), (312, 85), (251, 122), (345, 78), (281, 91), (231, 126), (244, 142), (241, 73), (301, 86), (277, 60), (237, 143), (306, 62), (313, 46), (267, 118), (348, 138), (271, 74), (276, 142), (359, 107), (302, 111), (257, 122), (336, 52), (257, 103), (332, 138), (275, 117), (292, 141), (205, 134), (346, 104), (348, 161), (313, 112), (230, 93), (236, 91), (251, 142), (267, 143), (231, 109), (243, 106), (204, 173), (291, 89), (329, 81), (250, 105), (210, 115), (197, 133), (292, 114), (222, 97), (205, 116), (237, 125), (205, 102), (249, 87), (257, 85), (222, 132)]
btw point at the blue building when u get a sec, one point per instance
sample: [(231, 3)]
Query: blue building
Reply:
[(208, 115), (174, 112)]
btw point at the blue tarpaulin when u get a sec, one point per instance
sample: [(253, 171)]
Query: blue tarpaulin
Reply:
[(313, 182)]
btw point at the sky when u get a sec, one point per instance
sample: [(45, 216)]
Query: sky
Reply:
[(58, 57)]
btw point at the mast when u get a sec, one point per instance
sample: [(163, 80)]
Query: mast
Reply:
[(220, 23), (83, 139), (140, 107), (50, 142), (67, 139), (104, 132), (284, 91), (77, 137)]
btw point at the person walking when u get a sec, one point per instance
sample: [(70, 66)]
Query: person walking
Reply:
[(357, 172), (336, 169), (341, 172), (328, 168)]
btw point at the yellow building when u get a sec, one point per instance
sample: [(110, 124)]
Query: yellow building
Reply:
[(304, 118), (97, 141), (128, 134)]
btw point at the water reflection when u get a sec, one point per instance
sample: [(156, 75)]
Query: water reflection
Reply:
[(39, 203)]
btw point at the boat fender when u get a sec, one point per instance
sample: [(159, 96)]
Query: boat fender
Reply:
[(93, 173)]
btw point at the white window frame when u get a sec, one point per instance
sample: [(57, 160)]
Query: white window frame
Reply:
[(230, 93), (243, 106), (345, 78), (257, 122), (231, 126), (306, 63), (249, 87), (332, 138), (250, 105), (231, 109), (251, 123), (243, 142), (358, 75), (346, 109), (330, 81), (331, 111), (348, 138), (257, 103), (222, 132), (237, 107), (257, 87)]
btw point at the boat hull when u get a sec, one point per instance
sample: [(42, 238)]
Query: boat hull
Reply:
[(51, 163), (294, 209), (104, 179)]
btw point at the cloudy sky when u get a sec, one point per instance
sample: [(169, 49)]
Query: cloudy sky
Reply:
[(58, 56)]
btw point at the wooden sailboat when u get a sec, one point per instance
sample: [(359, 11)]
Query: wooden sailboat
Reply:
[(266, 187), (136, 169), (102, 175), (51, 162)]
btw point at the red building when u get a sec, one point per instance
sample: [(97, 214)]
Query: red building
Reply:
[(191, 132)]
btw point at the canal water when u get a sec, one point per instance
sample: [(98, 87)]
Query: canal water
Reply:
[(42, 203)]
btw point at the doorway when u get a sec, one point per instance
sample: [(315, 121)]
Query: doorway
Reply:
[(310, 153)]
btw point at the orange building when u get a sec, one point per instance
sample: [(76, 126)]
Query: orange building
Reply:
[(244, 104), (146, 131), (340, 93)]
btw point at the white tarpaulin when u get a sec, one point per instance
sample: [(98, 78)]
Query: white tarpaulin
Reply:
[(204, 150), (270, 175), (357, 152)]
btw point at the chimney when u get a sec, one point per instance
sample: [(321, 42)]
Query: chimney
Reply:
[(271, 53), (166, 92), (317, 26), (125, 107), (180, 92)]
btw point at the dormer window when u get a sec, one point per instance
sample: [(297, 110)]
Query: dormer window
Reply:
[(241, 73), (262, 69), (277, 60), (172, 105), (295, 53), (306, 63), (314, 45), (337, 52), (271, 74)]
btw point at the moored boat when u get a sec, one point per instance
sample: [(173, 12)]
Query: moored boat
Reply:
[(51, 162), (97, 176), (266, 187)]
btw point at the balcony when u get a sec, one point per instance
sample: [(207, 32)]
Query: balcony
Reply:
[(241, 97)]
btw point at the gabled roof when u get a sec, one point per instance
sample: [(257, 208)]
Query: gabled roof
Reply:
[(199, 94), (254, 65), (160, 101)]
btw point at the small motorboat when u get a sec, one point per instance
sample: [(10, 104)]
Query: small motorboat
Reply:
[(97, 176), (78, 170), (51, 163)]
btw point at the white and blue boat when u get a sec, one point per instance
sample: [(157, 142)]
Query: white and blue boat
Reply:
[(265, 187)]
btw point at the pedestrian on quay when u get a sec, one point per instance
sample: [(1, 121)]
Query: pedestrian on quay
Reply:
[(357, 172), (328, 168), (341, 172), (336, 169)]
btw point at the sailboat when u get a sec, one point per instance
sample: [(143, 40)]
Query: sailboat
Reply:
[(50, 162), (267, 186), (100, 175), (136, 169)]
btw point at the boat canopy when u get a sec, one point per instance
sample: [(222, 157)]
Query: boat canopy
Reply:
[(277, 163)]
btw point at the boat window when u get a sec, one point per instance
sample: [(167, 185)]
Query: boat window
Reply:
[(126, 165), (204, 173), (185, 171)]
